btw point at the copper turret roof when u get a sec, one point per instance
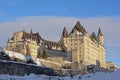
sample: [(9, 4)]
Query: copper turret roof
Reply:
[(34, 36), (65, 33), (78, 27), (93, 36)]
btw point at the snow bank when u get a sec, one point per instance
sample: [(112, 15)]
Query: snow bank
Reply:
[(22, 57), (106, 76), (15, 54), (97, 76)]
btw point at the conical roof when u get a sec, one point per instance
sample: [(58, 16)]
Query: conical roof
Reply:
[(100, 32), (78, 27), (65, 33), (93, 36)]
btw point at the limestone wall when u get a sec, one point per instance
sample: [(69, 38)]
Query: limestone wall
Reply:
[(20, 69)]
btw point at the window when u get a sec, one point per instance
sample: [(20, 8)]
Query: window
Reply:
[(81, 33)]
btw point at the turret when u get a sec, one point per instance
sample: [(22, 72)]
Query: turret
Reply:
[(100, 37), (93, 37), (65, 33), (64, 36)]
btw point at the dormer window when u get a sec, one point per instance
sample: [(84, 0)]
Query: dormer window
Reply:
[(80, 33), (77, 33)]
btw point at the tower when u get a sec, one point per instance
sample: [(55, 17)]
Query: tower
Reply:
[(65, 33), (102, 50), (100, 37), (84, 49), (64, 36), (76, 45)]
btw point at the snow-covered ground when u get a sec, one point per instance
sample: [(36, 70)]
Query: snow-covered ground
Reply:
[(24, 58), (96, 76), (21, 56)]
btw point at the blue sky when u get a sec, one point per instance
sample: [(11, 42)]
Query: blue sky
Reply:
[(45, 15), (73, 8)]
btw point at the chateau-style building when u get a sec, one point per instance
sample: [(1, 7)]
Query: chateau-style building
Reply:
[(85, 49), (25, 43), (31, 43), (77, 47)]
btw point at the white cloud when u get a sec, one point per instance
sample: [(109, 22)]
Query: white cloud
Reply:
[(50, 27)]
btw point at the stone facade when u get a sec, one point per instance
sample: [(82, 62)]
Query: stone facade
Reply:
[(85, 49), (78, 47), (25, 43), (21, 69), (30, 43)]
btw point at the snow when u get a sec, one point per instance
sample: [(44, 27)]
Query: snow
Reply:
[(15, 54), (95, 76), (21, 56), (25, 58)]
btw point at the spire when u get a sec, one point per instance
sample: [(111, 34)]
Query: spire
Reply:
[(65, 33), (31, 31), (100, 32), (100, 37), (93, 36)]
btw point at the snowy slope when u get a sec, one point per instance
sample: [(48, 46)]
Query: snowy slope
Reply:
[(21, 56), (15, 54), (97, 76)]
